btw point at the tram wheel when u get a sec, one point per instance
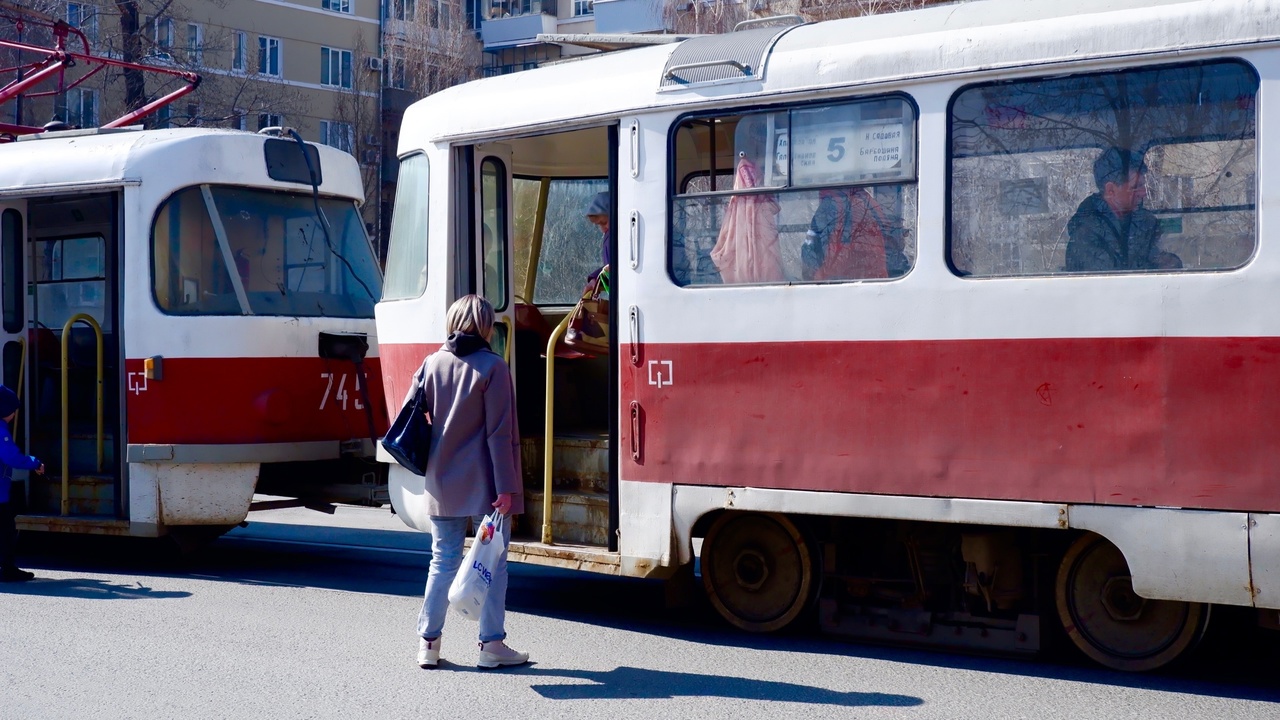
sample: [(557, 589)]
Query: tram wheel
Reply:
[(757, 570), (1111, 623)]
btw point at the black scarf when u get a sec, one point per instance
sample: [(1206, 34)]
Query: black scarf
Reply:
[(463, 344)]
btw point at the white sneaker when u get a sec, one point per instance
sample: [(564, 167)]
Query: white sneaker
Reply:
[(428, 653), (497, 654)]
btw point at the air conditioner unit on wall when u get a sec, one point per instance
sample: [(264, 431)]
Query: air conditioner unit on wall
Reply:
[(372, 139), (373, 63)]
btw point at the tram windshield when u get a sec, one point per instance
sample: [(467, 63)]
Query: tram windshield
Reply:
[(285, 262)]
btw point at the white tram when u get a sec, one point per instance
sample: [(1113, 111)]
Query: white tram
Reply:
[(875, 349), (187, 317)]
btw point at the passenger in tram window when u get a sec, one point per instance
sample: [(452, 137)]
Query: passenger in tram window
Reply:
[(848, 239), (1111, 230), (598, 214), (11, 457), (746, 250), (474, 468)]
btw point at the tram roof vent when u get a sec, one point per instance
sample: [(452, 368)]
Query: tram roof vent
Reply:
[(729, 58)]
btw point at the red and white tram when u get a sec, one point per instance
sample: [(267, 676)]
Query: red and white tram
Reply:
[(855, 361), (188, 320)]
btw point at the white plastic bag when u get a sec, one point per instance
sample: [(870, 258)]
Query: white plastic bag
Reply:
[(471, 585)]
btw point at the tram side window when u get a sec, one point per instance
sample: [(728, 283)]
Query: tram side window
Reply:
[(289, 259), (822, 193), (1143, 170), (407, 246)]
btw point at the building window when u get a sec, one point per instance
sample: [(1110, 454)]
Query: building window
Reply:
[(193, 114), (163, 36), (84, 17), (335, 67), (342, 6), (266, 120), (239, 120), (1143, 170), (268, 56), (195, 43), (583, 7), (82, 108), (162, 117), (337, 134), (401, 10), (239, 51)]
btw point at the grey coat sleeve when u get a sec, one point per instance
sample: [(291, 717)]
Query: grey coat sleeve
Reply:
[(502, 433)]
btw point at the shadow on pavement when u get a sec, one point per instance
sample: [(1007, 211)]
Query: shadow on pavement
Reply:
[(645, 684), (88, 589)]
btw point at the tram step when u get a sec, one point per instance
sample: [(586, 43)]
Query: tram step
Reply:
[(581, 463), (87, 494), (576, 517)]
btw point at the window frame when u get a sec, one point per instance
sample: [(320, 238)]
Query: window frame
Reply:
[(673, 181), (240, 52), (1133, 69), (265, 56), (339, 60)]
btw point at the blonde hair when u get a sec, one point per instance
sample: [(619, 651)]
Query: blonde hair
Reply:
[(470, 314)]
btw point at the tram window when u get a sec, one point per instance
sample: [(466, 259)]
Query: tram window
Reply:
[(11, 247), (1143, 170), (284, 260), (407, 248), (493, 231), (818, 193), (570, 243), (70, 276)]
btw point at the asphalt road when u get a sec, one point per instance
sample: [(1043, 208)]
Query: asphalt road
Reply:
[(301, 615)]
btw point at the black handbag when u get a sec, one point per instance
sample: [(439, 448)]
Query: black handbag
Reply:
[(408, 440)]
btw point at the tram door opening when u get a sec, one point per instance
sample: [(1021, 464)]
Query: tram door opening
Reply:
[(534, 251), (71, 372)]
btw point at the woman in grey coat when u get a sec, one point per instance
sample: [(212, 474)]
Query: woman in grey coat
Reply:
[(474, 468)]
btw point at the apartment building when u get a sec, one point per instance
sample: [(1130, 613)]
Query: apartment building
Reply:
[(312, 65)]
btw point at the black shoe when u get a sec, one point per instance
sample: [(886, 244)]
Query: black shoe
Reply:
[(13, 574)]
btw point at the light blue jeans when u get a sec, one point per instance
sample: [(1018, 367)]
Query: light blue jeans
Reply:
[(447, 536)]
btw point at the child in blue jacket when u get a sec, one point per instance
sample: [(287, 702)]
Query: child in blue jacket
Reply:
[(10, 457)]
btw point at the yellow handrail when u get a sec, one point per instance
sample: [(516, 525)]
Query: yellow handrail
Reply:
[(549, 435), (66, 428)]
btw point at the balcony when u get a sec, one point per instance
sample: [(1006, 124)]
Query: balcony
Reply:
[(628, 16), (517, 22)]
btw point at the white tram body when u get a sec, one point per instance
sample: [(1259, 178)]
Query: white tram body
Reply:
[(963, 392), (207, 283)]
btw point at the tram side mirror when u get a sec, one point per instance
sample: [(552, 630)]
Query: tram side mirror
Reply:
[(344, 346), (286, 163)]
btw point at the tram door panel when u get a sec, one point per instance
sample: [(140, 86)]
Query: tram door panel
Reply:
[(490, 239), (73, 359), (13, 312)]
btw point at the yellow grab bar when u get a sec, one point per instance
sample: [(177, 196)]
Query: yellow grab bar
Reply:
[(66, 427), (548, 432)]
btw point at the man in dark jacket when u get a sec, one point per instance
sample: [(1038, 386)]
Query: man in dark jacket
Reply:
[(10, 457), (1111, 231)]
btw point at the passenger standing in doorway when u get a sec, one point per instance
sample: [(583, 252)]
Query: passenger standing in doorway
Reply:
[(598, 215), (11, 457), (474, 468)]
